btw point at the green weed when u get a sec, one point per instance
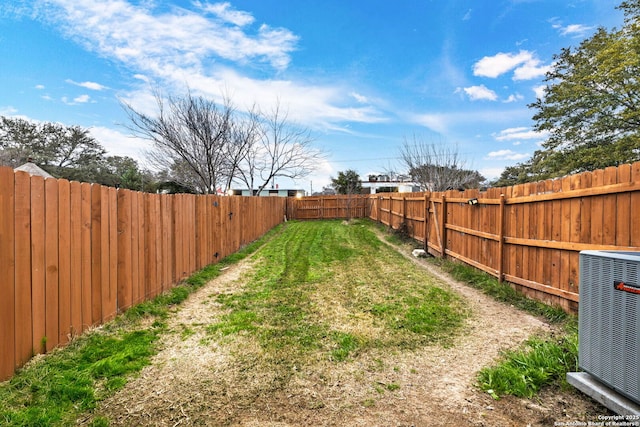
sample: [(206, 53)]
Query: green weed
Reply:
[(540, 362), (393, 387)]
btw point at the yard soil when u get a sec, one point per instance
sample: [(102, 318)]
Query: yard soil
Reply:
[(192, 382)]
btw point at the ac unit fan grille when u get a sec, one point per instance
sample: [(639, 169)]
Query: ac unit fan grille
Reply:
[(609, 322)]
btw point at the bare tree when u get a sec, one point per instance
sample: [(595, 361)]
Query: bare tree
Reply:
[(437, 167), (245, 138), (281, 149), (206, 146), (191, 139)]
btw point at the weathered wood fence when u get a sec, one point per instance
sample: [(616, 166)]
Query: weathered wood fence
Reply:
[(73, 255), (330, 207), (529, 235)]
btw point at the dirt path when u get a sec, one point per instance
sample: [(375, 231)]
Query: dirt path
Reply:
[(195, 382)]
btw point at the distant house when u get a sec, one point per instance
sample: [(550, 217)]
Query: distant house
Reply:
[(274, 192), (389, 184), (33, 169)]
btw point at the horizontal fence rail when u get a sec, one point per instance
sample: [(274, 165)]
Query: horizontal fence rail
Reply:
[(529, 235), (73, 255), (329, 207)]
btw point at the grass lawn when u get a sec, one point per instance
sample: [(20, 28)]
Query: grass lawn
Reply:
[(331, 290), (323, 290)]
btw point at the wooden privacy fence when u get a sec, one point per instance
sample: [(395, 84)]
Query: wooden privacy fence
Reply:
[(529, 235), (73, 255), (329, 207)]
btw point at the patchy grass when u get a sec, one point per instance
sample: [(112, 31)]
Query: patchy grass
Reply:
[(321, 291), (500, 291), (541, 360), (331, 290), (54, 389)]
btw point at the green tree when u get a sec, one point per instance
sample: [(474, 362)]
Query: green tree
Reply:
[(347, 182), (591, 106), (124, 172), (63, 151), (68, 152)]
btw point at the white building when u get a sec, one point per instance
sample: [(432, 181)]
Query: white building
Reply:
[(273, 192), (389, 184)]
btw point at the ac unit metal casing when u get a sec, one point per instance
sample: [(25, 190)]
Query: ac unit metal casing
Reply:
[(609, 319)]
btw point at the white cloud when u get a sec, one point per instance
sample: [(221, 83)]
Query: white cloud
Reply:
[(225, 12), (443, 122), (467, 15), (8, 111), (360, 98), (166, 49), (518, 133), (513, 98), (82, 99), (439, 123), (320, 108), (476, 93), (142, 37), (571, 30), (576, 30), (507, 155), (141, 77), (539, 91), (120, 144), (524, 63), (491, 173), (87, 85), (39, 87), (530, 70), (494, 66)]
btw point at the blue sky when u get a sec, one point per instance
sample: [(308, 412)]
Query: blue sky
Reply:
[(361, 75)]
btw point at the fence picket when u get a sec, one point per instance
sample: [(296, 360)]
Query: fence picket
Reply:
[(125, 257), (75, 279), (51, 264), (38, 266), (86, 257), (64, 261), (623, 209), (23, 298), (635, 206), (7, 273)]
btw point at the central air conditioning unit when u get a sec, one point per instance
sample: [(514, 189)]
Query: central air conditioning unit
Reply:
[(609, 319)]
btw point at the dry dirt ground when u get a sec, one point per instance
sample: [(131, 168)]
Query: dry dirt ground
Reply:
[(195, 382)]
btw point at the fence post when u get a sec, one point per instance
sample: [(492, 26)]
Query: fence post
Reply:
[(443, 228), (426, 222), (404, 210), (501, 241)]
